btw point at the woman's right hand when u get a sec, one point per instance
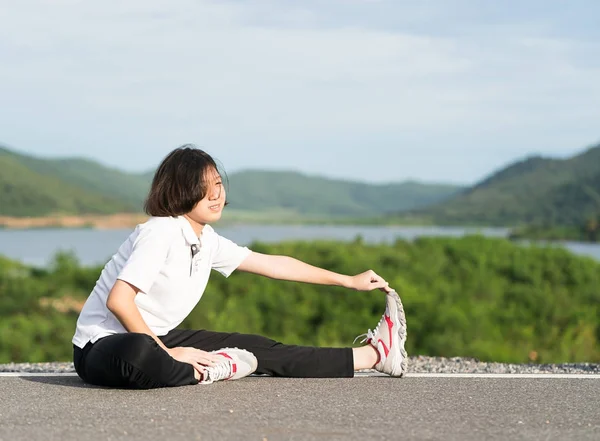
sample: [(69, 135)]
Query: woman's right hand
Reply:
[(198, 358)]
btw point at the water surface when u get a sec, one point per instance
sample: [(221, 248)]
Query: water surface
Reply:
[(92, 247)]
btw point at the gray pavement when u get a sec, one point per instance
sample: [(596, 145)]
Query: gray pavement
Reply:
[(363, 408)]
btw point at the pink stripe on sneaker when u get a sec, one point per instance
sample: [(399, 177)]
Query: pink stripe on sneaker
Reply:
[(233, 365), (390, 326)]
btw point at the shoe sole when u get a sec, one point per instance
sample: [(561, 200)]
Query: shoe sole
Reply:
[(399, 319)]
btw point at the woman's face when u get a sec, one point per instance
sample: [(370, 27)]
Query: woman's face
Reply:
[(209, 209)]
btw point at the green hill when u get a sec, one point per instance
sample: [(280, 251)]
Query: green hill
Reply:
[(88, 175), (313, 195), (35, 186), (536, 190), (25, 192)]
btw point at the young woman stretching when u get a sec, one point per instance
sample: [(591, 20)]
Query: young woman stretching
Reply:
[(127, 334)]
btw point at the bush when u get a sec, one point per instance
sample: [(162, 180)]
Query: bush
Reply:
[(478, 297)]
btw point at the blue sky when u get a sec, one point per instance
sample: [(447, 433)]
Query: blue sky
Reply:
[(443, 91)]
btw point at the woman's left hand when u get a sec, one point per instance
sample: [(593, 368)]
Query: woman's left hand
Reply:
[(368, 281)]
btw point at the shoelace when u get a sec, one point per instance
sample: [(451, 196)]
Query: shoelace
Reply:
[(220, 371), (370, 334)]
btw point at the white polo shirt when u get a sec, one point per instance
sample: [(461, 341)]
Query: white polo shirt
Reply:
[(157, 259)]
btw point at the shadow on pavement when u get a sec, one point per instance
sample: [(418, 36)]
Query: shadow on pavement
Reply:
[(62, 381)]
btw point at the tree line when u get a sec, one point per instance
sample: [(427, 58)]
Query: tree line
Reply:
[(479, 297)]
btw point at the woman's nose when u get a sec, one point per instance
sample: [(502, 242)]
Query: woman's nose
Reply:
[(216, 193)]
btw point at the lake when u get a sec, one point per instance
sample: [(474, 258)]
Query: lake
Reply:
[(92, 247)]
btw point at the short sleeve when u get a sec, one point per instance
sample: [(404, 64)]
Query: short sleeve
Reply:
[(148, 255), (228, 255)]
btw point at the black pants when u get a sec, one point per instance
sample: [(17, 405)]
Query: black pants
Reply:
[(136, 361)]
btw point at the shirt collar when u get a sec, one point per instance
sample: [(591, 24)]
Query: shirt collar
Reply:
[(188, 232)]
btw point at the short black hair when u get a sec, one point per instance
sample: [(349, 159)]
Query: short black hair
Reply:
[(180, 181)]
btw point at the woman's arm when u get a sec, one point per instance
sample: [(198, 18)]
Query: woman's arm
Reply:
[(121, 303), (288, 268)]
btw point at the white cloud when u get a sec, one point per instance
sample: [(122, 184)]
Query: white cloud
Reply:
[(232, 74)]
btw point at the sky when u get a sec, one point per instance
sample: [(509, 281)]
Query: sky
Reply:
[(375, 91)]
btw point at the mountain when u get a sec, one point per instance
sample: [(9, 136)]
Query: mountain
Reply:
[(313, 195), (88, 175), (27, 192), (31, 186), (536, 190)]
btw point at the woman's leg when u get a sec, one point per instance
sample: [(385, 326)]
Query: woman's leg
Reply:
[(132, 361), (365, 357), (384, 350), (274, 358)]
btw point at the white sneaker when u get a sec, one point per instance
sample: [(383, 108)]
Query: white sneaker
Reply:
[(236, 363), (389, 338)]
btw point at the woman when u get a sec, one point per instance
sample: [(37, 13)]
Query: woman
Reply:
[(127, 334)]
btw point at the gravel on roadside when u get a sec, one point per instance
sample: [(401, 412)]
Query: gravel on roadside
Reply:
[(417, 364)]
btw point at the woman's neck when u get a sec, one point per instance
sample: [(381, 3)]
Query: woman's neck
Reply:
[(196, 226)]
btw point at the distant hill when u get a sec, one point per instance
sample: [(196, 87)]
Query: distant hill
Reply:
[(314, 195), (88, 175), (27, 192), (535, 190), (31, 186)]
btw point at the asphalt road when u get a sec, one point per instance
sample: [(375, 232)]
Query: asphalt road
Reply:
[(364, 408)]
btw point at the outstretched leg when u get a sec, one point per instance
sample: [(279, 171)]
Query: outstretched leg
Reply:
[(274, 358)]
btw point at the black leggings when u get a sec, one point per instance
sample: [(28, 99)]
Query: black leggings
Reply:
[(136, 361)]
